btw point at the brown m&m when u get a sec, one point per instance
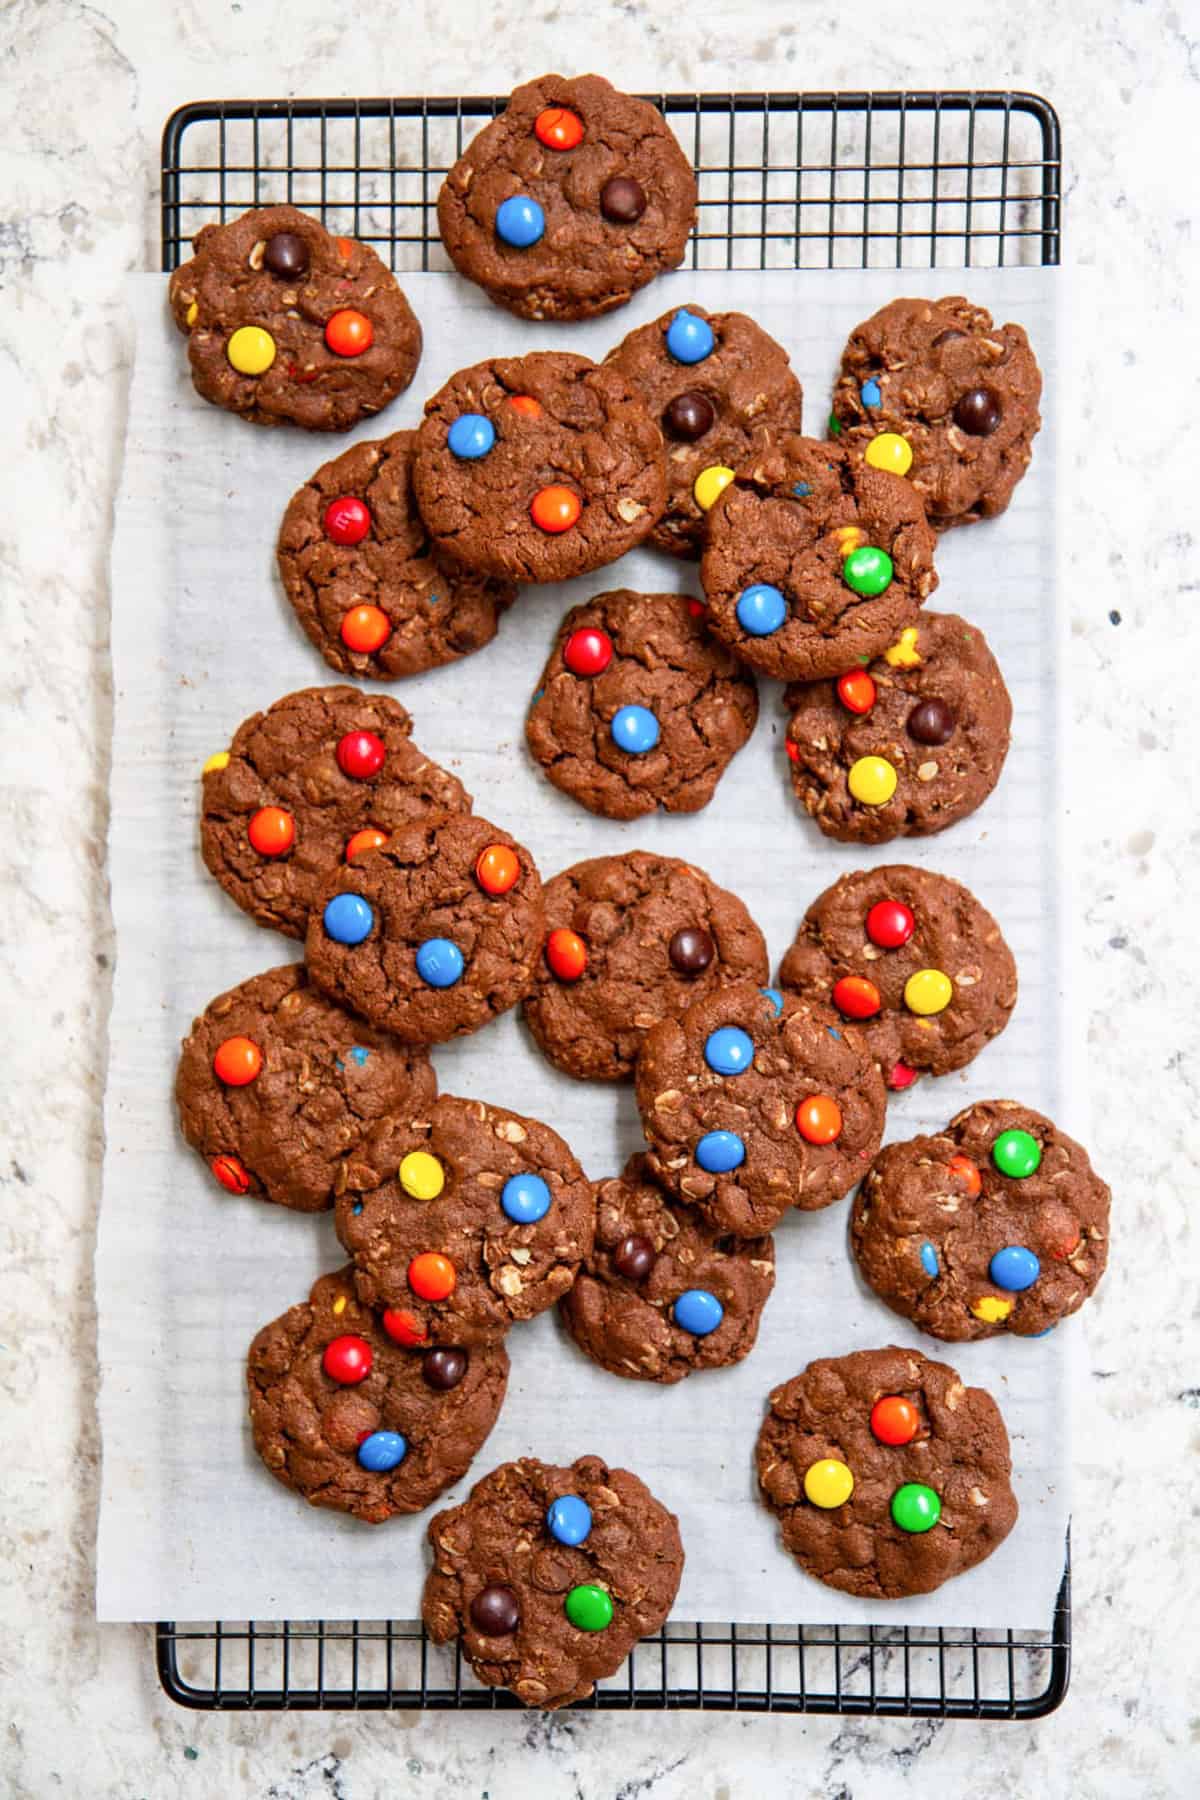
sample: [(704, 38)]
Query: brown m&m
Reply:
[(931, 722), (977, 412), (689, 416), (622, 200), (691, 950), (634, 1257)]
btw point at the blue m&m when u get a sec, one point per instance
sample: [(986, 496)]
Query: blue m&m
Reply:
[(439, 962), (869, 393), (635, 729), (929, 1260), (730, 1050), (569, 1519), (1014, 1268), (471, 436), (774, 999), (382, 1451), (761, 609), (689, 338), (525, 1198), (520, 222), (719, 1151), (698, 1311), (347, 919)]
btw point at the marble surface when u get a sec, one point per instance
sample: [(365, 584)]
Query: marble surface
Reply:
[(88, 89)]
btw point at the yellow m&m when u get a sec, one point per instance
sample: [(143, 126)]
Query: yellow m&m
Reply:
[(990, 1309), (903, 654), (220, 760), (422, 1175), (251, 350), (192, 314), (872, 780), (891, 452), (710, 484), (828, 1483), (927, 992)]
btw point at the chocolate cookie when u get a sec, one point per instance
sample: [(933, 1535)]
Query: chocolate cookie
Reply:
[(998, 1223), (931, 389), (639, 706), (721, 389), (548, 1577), (888, 1475), (755, 1101), (631, 940), (815, 560), (540, 467), (907, 745), (276, 1084), (319, 776), (350, 1420), (433, 935), (914, 960), (370, 592), (463, 1221), (661, 1293), (570, 201), (288, 325)]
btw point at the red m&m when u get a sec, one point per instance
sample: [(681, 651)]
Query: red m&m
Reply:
[(238, 1062), (856, 691), (348, 1360), (895, 1420), (497, 869), (271, 831), (793, 749), (346, 520), (231, 1173), (900, 1076), (349, 333), (558, 128), (360, 754), (856, 998), (404, 1328), (889, 924), (566, 954), (365, 629), (555, 509), (588, 651)]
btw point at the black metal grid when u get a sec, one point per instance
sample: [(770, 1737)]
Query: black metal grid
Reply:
[(789, 181)]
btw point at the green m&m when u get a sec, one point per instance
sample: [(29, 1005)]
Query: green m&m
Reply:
[(916, 1507), (1016, 1154), (868, 570), (588, 1607)]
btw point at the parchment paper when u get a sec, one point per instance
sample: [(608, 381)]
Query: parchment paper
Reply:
[(192, 1527)]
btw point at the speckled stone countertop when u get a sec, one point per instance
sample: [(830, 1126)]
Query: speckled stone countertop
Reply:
[(88, 89)]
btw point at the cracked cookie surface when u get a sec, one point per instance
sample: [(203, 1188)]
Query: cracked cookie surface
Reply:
[(696, 706)]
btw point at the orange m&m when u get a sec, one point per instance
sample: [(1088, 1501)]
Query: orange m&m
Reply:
[(345, 246), (497, 869), (895, 1420), (819, 1119), (856, 691), (365, 629), (349, 333), (231, 1173), (404, 1327), (555, 509), (237, 1062), (566, 954), (856, 998), (367, 839), (431, 1276), (525, 403), (968, 1173), (272, 831), (558, 128)]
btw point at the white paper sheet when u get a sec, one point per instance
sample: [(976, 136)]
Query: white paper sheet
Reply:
[(191, 1526)]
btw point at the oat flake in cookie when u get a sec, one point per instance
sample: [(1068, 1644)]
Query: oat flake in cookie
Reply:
[(999, 1223), (639, 706), (721, 389), (631, 940), (288, 325), (754, 1102), (931, 389), (906, 745), (276, 1084), (549, 1576), (433, 935), (889, 1476), (571, 200), (320, 776), (540, 467), (351, 1419), (814, 559), (913, 959), (369, 590), (662, 1294), (463, 1221)]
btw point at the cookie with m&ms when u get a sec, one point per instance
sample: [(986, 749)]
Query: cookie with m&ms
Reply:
[(639, 707), (549, 1576), (539, 467), (814, 559), (319, 777), (887, 1473), (662, 1294), (754, 1102), (354, 1418), (569, 201), (914, 960), (631, 940), (905, 744), (937, 392), (722, 389), (433, 934), (997, 1224), (464, 1219), (276, 1084), (367, 587), (288, 325)]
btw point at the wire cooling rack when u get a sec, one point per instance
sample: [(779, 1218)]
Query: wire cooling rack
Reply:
[(787, 181)]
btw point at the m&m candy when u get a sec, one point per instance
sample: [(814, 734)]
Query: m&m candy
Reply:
[(869, 393), (977, 412), (569, 1519), (588, 651), (819, 1119), (383, 1451), (634, 1257), (238, 1062), (217, 761), (872, 780), (1017, 1154), (856, 998), (422, 1175), (990, 1310), (558, 128), (432, 1276), (828, 1483), (689, 337), (348, 1360), (369, 838), (932, 722), (470, 436), (497, 870), (710, 484), (526, 404), (251, 350), (688, 416), (494, 1611), (890, 924), (903, 654), (929, 1260), (365, 629), (360, 754), (634, 729), (720, 1151), (525, 1198), (868, 571), (555, 509), (891, 452), (698, 1311), (271, 831), (404, 1327), (915, 1507), (566, 954), (895, 1420), (440, 962), (1014, 1268), (964, 1170), (230, 1171), (729, 1050), (589, 1607), (346, 520), (622, 200), (347, 919), (761, 609), (349, 333), (928, 991), (857, 691), (691, 950), (286, 254), (442, 1370), (900, 1076), (774, 1000), (520, 222)]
